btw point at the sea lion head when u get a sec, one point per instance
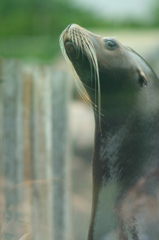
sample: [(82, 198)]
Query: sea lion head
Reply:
[(112, 73)]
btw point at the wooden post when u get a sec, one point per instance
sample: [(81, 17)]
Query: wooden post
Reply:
[(27, 116), (2, 191), (42, 151), (12, 122), (60, 160)]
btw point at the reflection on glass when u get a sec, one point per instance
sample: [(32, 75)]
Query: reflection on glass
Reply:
[(26, 214)]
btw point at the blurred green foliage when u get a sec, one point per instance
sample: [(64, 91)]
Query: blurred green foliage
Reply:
[(156, 14), (31, 28), (39, 17)]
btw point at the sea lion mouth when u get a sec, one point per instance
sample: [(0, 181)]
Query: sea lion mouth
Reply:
[(71, 50), (76, 51), (68, 42)]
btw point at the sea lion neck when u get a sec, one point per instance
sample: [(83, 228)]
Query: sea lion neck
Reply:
[(122, 155)]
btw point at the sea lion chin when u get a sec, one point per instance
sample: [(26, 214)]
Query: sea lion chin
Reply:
[(123, 91)]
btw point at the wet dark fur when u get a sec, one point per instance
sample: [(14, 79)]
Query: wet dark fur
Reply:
[(126, 140)]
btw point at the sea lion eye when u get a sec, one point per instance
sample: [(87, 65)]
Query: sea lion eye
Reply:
[(110, 44)]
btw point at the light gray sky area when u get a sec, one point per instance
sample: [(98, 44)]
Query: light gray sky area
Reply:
[(119, 9)]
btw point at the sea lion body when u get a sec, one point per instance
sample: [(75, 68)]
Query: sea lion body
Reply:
[(124, 93)]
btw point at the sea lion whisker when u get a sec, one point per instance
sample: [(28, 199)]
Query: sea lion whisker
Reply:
[(86, 98), (90, 56), (81, 92), (79, 43), (95, 64), (63, 48), (84, 95), (86, 46), (73, 39), (75, 42)]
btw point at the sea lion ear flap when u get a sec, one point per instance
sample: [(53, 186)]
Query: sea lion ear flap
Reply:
[(142, 79)]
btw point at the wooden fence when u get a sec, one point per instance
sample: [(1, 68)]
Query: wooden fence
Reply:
[(34, 152)]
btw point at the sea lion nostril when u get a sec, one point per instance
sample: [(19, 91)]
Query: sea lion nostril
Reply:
[(68, 42), (68, 27)]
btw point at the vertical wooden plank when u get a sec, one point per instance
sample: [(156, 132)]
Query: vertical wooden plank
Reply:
[(12, 130), (27, 139), (46, 122), (35, 154), (67, 194), (1, 125), (2, 192), (12, 96), (41, 124), (46, 126), (60, 160), (35, 122), (19, 125)]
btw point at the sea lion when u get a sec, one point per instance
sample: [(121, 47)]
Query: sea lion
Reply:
[(124, 93)]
